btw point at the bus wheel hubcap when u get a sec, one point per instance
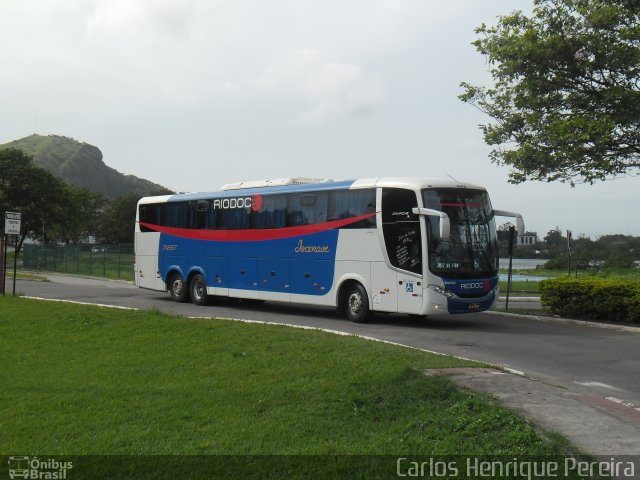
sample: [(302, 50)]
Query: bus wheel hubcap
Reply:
[(355, 303), (199, 289), (177, 286)]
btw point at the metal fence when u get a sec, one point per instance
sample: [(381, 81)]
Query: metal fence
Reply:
[(108, 261)]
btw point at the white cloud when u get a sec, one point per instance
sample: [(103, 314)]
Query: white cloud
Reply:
[(151, 18), (358, 99), (333, 89)]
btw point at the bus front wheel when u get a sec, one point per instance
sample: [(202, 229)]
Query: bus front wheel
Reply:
[(198, 289), (356, 303), (178, 288)]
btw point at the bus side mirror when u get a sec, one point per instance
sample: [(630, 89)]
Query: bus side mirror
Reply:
[(518, 217), (445, 223)]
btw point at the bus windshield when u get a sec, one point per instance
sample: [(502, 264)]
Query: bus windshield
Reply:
[(472, 250)]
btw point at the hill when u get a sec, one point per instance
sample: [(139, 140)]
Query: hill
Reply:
[(81, 164)]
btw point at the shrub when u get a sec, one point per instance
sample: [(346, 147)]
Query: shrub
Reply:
[(633, 305), (592, 298)]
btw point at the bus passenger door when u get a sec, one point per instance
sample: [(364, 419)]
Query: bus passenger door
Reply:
[(401, 230)]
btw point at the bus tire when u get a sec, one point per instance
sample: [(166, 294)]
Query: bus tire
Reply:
[(356, 303), (198, 290), (178, 288)]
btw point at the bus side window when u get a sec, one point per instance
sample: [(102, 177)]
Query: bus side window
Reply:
[(307, 209), (201, 214), (401, 229), (353, 203), (272, 213), (212, 217), (198, 214), (234, 218), (149, 213), (175, 214), (144, 217)]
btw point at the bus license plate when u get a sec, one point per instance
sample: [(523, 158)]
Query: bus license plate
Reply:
[(474, 306)]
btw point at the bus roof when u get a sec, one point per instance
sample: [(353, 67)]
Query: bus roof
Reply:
[(414, 183)]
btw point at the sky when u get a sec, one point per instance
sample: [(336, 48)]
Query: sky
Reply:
[(194, 94)]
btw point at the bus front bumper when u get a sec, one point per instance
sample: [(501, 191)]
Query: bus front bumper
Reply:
[(440, 301)]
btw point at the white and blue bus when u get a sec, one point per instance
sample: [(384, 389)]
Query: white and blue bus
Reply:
[(419, 246)]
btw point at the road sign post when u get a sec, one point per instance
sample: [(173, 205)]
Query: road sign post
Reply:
[(12, 222), (569, 252), (3, 263), (512, 237), (15, 265)]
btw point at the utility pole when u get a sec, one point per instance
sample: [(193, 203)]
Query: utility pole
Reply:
[(569, 249), (576, 262), (512, 234)]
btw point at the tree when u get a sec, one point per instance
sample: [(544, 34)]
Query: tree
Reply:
[(81, 221), (117, 221), (30, 190), (556, 243), (566, 99), (617, 250)]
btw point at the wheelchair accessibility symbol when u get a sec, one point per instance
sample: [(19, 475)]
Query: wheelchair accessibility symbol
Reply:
[(410, 287)]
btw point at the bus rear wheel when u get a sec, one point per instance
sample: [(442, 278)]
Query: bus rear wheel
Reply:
[(178, 288), (198, 290), (356, 303)]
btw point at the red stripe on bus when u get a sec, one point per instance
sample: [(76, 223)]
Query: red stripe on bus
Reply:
[(254, 235)]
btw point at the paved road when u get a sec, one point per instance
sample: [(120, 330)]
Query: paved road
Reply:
[(582, 359)]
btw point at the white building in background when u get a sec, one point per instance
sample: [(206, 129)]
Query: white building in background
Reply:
[(529, 238)]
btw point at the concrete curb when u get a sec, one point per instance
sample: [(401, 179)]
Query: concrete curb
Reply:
[(519, 299), (570, 321)]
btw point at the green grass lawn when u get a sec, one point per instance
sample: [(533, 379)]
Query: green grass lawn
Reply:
[(520, 288), (85, 380)]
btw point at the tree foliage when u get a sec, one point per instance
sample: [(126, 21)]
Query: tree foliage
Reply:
[(30, 190), (566, 98), (117, 221), (608, 251), (83, 208)]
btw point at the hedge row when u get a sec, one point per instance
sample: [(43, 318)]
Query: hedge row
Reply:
[(592, 298)]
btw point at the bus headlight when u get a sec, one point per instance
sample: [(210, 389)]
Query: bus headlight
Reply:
[(443, 291)]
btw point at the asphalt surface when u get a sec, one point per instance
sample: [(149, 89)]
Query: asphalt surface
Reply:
[(594, 370)]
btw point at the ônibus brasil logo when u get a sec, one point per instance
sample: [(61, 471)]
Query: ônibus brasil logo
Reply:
[(36, 468)]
